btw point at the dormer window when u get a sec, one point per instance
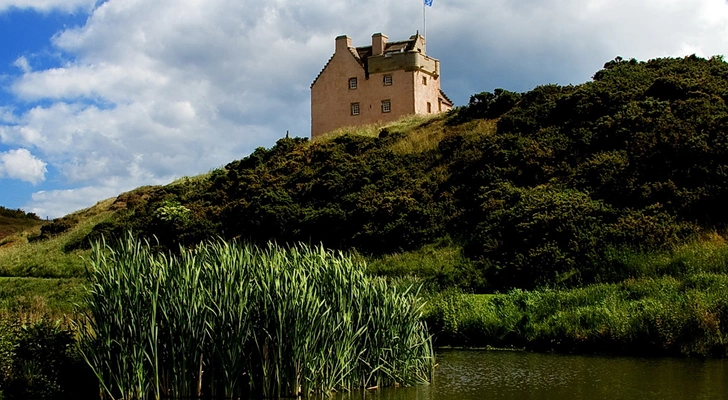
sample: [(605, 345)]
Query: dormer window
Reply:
[(352, 83), (387, 80)]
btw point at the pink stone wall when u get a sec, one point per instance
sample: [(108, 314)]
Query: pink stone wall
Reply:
[(331, 97)]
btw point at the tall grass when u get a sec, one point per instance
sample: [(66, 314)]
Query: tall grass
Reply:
[(230, 320), (666, 316)]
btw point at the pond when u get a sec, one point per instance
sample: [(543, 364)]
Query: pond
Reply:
[(471, 375)]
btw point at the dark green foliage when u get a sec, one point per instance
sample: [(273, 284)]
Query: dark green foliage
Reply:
[(17, 214), (39, 361), (109, 229), (56, 227), (574, 179), (485, 105), (541, 235)]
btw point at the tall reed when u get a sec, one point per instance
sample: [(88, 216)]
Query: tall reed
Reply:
[(231, 320)]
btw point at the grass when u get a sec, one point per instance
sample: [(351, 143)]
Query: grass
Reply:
[(424, 132), (441, 264), (708, 253), (665, 316), (15, 229), (269, 321), (47, 258), (406, 123), (36, 298)]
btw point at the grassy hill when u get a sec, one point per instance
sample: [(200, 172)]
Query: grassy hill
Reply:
[(16, 222), (616, 186)]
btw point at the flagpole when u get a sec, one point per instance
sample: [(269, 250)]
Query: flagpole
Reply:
[(424, 25)]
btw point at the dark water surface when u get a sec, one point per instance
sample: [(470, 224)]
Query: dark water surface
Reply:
[(470, 375)]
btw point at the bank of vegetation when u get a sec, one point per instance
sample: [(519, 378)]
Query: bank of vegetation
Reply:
[(225, 320), (574, 218)]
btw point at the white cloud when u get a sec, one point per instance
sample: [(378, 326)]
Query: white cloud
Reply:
[(23, 64), (47, 5), (20, 164), (156, 89), (57, 203)]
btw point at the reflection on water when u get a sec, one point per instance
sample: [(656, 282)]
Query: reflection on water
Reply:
[(470, 375)]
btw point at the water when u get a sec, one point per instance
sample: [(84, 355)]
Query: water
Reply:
[(483, 375)]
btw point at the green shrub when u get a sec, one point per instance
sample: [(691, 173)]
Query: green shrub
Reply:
[(539, 236), (38, 360)]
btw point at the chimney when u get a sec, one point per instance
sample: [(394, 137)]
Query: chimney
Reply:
[(343, 43), (379, 42)]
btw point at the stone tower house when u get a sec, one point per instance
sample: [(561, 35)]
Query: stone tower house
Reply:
[(377, 83)]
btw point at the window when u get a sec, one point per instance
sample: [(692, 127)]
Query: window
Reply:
[(424, 80), (386, 106), (387, 80), (352, 83), (354, 108), (429, 107)]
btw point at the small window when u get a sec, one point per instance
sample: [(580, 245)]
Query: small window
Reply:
[(352, 83), (429, 107), (354, 108), (386, 106), (439, 105), (387, 80), (424, 80)]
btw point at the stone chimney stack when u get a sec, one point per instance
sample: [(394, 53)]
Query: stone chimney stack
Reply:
[(343, 43), (379, 42)]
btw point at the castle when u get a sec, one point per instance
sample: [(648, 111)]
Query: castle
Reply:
[(377, 83)]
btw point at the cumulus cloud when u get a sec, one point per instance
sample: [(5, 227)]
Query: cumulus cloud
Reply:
[(520, 44), (57, 203), (155, 89), (47, 5), (20, 164)]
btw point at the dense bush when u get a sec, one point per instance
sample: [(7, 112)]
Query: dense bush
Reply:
[(542, 235), (56, 227), (38, 360), (485, 105), (574, 178), (19, 214)]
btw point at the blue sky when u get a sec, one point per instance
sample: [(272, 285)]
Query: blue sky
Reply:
[(97, 98)]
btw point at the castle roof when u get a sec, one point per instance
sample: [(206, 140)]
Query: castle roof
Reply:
[(361, 54), (391, 47)]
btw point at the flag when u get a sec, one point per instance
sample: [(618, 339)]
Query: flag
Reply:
[(428, 3)]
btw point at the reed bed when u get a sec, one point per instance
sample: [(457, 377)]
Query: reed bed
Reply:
[(225, 320)]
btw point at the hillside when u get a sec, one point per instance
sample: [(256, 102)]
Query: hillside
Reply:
[(560, 186), (14, 222), (584, 218)]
